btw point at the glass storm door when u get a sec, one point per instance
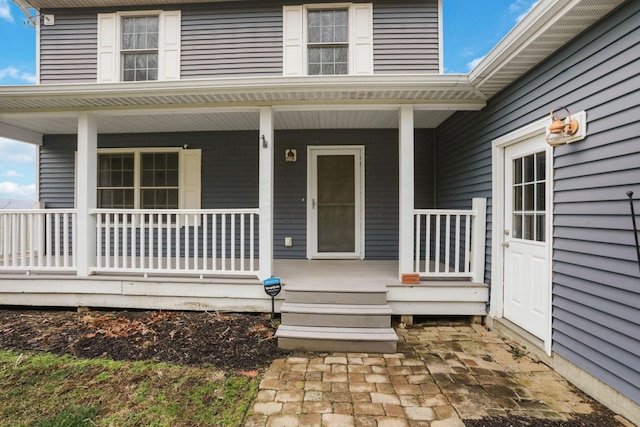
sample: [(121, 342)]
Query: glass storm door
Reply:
[(335, 209), (526, 246)]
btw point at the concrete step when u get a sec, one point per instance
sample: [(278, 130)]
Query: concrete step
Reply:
[(355, 340), (337, 315), (318, 296)]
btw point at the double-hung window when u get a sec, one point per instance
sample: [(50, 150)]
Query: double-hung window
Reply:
[(139, 46), (328, 39), (148, 179)]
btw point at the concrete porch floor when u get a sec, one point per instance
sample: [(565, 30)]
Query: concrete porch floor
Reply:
[(442, 374)]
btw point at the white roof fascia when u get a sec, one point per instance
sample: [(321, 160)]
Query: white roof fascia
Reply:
[(542, 16), (250, 84)]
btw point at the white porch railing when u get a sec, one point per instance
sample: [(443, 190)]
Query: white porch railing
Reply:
[(451, 243), (37, 240), (176, 242)]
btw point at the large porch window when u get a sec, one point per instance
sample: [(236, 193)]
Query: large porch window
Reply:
[(138, 180), (147, 178)]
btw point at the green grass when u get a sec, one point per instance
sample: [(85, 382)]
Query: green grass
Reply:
[(42, 390)]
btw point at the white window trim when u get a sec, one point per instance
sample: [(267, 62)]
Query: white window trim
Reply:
[(360, 45), (183, 170), (110, 44)]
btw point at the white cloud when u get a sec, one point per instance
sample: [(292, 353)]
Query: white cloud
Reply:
[(12, 173), (15, 74), (5, 11), (12, 152), (522, 7), (12, 190), (472, 64)]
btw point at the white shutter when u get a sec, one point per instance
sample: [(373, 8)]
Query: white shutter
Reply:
[(293, 41), (362, 38), (190, 179), (107, 48), (169, 46)]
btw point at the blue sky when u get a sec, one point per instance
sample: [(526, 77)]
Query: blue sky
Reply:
[(471, 29)]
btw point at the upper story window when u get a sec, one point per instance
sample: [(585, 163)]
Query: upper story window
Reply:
[(328, 42), (139, 46), (328, 39)]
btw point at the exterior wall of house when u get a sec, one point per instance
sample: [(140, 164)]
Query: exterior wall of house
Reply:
[(405, 37), (596, 292), (219, 40), (381, 186), (230, 177), (68, 49)]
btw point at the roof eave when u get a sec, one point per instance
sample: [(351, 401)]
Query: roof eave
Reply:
[(454, 89)]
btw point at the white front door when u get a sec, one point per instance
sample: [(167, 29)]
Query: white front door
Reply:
[(335, 202), (526, 235)]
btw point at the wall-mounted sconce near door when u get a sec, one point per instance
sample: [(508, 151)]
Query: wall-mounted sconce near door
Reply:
[(290, 155), (565, 128)]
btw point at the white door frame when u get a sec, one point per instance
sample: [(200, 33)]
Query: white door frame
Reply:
[(312, 237), (498, 188)]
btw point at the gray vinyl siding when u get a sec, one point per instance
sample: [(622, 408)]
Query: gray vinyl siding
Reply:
[(381, 186), (596, 289), (222, 41), (57, 169), (405, 37), (229, 167), (68, 49)]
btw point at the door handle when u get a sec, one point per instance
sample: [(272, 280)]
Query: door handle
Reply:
[(505, 245), (313, 203)]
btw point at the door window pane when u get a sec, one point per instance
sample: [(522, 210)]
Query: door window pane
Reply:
[(336, 203), (529, 197)]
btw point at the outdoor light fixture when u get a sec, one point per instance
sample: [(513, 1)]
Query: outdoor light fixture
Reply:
[(564, 128)]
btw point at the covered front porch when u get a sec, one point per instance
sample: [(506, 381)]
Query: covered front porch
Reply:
[(244, 212)]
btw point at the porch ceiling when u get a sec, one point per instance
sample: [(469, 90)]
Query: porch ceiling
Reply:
[(183, 121)]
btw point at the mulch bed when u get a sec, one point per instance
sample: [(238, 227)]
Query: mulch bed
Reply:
[(592, 420), (243, 342)]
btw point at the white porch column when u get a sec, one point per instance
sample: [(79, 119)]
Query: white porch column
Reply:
[(406, 139), (86, 197), (265, 142)]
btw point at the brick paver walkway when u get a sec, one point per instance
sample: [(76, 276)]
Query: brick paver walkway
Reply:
[(440, 375)]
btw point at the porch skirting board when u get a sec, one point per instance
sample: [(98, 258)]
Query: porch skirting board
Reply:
[(234, 295)]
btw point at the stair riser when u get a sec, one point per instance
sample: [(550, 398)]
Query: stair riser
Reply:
[(319, 297), (301, 344), (336, 320)]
